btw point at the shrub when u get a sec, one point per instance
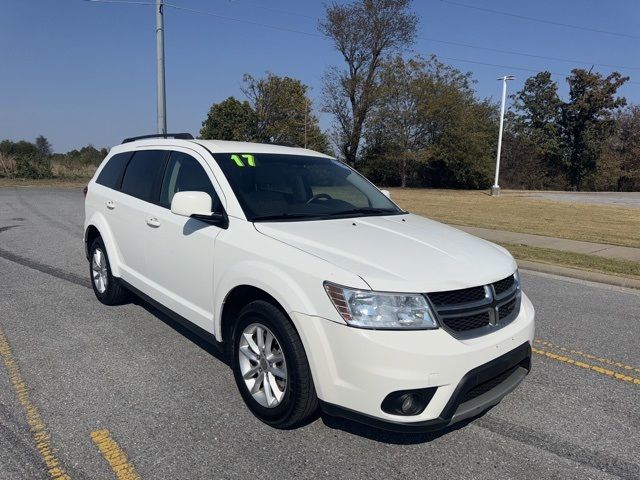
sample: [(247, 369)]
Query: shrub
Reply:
[(33, 166)]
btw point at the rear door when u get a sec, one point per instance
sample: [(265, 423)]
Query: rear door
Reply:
[(180, 250), (127, 212)]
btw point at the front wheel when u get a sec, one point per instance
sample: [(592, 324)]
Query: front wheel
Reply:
[(105, 286), (271, 368)]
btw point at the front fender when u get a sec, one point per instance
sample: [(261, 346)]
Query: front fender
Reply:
[(98, 221), (266, 277)]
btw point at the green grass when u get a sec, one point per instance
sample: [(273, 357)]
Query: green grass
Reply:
[(515, 212), (580, 261), (45, 182)]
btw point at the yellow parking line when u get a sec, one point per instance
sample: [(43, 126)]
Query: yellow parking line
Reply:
[(594, 368), (589, 356), (114, 455), (39, 431)]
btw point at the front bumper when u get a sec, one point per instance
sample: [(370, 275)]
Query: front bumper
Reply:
[(355, 369)]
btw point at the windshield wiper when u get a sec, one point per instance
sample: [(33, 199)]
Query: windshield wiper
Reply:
[(285, 216), (365, 210)]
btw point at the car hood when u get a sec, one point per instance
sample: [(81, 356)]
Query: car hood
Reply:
[(399, 253)]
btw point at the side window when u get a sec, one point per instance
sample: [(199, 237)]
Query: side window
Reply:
[(142, 173), (184, 174), (111, 174)]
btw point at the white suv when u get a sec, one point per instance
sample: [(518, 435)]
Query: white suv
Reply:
[(322, 291)]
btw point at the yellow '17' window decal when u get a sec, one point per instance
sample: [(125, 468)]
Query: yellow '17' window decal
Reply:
[(251, 161)]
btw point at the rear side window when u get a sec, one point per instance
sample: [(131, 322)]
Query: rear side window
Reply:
[(111, 173), (142, 173), (185, 174)]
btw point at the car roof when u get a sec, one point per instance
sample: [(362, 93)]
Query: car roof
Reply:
[(225, 146)]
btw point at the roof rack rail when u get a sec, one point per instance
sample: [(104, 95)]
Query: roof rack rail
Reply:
[(181, 136)]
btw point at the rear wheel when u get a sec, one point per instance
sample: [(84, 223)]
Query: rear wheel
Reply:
[(271, 368), (105, 286)]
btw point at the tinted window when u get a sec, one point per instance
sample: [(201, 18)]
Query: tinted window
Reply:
[(142, 172), (185, 174), (295, 187), (111, 174)]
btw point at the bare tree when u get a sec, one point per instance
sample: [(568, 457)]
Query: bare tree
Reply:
[(364, 32)]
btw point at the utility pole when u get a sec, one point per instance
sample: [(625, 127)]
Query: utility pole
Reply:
[(306, 114), (495, 189), (161, 91)]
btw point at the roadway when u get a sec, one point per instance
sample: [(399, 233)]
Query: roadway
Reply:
[(96, 392)]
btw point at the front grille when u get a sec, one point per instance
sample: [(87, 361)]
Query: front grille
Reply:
[(507, 309), (468, 322), (478, 310), (503, 285), (456, 297)]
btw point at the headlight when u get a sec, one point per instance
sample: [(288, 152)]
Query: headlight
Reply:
[(379, 310)]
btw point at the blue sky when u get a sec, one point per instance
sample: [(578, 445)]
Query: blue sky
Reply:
[(80, 72)]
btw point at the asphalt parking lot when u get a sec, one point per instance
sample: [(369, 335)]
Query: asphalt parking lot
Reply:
[(95, 392)]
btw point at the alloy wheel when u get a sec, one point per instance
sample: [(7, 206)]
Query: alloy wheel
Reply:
[(99, 271), (262, 365)]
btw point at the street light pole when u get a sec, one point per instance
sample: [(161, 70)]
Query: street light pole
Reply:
[(495, 189), (161, 92)]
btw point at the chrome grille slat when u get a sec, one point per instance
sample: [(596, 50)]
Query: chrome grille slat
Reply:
[(476, 311)]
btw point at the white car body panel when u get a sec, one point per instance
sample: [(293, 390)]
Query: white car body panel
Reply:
[(399, 253), (191, 267)]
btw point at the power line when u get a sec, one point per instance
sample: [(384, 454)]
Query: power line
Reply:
[(282, 12), (120, 1), (465, 45), (510, 67), (524, 54), (300, 32), (540, 20), (211, 14), (250, 22)]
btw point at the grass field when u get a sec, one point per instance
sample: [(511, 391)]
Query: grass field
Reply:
[(48, 182), (511, 211), (623, 268)]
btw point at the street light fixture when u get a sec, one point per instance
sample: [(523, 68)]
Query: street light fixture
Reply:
[(495, 189)]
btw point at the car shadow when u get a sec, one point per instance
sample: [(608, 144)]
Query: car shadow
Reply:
[(336, 423), (192, 226), (389, 437), (206, 345)]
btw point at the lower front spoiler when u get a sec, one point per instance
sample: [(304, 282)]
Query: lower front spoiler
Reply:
[(480, 389)]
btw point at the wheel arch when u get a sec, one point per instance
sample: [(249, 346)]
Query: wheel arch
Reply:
[(98, 227), (234, 301)]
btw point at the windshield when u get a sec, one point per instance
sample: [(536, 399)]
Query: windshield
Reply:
[(272, 187)]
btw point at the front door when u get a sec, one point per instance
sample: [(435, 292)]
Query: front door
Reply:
[(180, 250)]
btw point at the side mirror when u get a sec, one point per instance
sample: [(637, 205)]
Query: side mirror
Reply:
[(386, 193), (191, 203), (197, 205)]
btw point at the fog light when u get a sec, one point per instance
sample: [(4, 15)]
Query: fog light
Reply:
[(408, 402)]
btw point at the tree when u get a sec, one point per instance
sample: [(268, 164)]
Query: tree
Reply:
[(428, 123), (619, 166), (559, 142), (587, 119), (540, 111), (283, 112), (364, 32), (534, 154), (230, 119), (43, 146)]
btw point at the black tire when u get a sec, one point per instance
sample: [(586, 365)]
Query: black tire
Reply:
[(115, 293), (299, 405)]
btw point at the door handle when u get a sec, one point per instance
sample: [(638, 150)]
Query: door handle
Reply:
[(153, 222), (110, 205)]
